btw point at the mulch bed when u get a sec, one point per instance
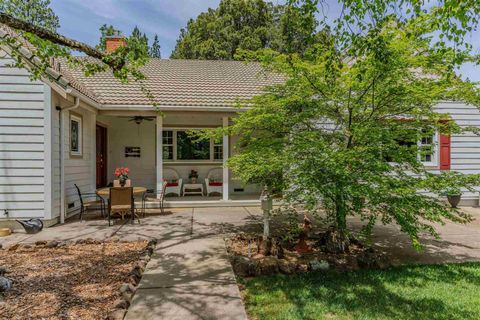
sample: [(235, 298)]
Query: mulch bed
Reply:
[(68, 281)]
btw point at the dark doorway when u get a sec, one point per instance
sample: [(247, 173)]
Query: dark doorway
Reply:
[(101, 136)]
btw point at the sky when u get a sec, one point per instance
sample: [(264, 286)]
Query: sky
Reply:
[(81, 19)]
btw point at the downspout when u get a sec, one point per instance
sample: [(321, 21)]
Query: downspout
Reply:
[(62, 125)]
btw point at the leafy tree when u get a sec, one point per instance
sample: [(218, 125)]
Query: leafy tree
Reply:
[(155, 48), (247, 25), (340, 136), (106, 31), (37, 12)]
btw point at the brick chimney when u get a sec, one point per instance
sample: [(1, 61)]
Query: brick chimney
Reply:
[(114, 42)]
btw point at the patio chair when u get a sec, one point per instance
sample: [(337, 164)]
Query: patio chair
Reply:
[(160, 198), (174, 182), (121, 203), (89, 204), (214, 182)]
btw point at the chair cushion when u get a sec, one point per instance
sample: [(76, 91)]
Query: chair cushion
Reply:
[(216, 184), (172, 184)]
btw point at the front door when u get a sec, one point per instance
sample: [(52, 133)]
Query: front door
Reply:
[(101, 134)]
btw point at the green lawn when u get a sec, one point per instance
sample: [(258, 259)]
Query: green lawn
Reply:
[(450, 291)]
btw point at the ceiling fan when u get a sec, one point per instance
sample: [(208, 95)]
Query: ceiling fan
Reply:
[(140, 119)]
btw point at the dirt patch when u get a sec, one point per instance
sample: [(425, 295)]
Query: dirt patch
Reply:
[(67, 281)]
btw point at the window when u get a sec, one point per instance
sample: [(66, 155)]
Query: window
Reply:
[(218, 149), (427, 149), (178, 145), (167, 145), (76, 135), (189, 148)]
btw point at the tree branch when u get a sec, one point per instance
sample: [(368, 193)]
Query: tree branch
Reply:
[(60, 40)]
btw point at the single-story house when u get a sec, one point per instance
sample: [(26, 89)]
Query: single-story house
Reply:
[(67, 129)]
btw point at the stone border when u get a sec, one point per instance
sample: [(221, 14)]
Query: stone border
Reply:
[(126, 290)]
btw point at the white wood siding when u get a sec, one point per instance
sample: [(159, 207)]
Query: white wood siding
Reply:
[(465, 148), (80, 171), (22, 135)]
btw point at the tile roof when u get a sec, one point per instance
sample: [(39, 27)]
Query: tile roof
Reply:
[(178, 83)]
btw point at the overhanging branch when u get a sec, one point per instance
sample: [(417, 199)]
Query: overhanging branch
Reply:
[(59, 39)]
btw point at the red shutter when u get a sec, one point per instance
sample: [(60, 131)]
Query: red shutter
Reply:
[(444, 152)]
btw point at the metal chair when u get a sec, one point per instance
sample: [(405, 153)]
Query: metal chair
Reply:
[(160, 198), (86, 205), (121, 202)]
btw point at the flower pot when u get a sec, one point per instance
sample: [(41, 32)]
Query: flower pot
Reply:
[(454, 200), (123, 182), (193, 180)]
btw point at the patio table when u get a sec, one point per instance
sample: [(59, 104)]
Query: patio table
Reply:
[(137, 191)]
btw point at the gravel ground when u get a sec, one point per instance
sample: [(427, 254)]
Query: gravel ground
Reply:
[(76, 281)]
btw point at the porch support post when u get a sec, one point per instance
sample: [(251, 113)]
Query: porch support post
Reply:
[(159, 147), (226, 190)]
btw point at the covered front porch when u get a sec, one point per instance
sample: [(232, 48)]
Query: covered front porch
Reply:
[(158, 147)]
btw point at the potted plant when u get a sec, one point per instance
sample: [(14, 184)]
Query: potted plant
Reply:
[(122, 175), (452, 183), (193, 176), (453, 194)]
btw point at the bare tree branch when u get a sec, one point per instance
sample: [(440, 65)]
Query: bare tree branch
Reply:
[(59, 39)]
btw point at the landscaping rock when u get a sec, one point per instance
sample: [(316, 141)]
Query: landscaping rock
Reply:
[(27, 246), (117, 314), (5, 284), (243, 266), (120, 304), (41, 242), (266, 266), (301, 268), (14, 247), (3, 270), (286, 267), (51, 244), (370, 259), (318, 265), (127, 287), (113, 239), (127, 297), (136, 272)]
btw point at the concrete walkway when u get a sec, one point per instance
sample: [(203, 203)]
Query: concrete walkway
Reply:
[(189, 275)]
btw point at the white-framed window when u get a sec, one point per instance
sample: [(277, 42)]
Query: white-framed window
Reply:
[(167, 145), (76, 135), (179, 146), (218, 149), (428, 149)]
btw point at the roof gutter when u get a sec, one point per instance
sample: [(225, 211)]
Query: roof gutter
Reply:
[(62, 126)]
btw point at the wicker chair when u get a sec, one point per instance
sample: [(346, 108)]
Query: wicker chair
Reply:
[(121, 203), (170, 175), (86, 205), (214, 182), (160, 198)]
